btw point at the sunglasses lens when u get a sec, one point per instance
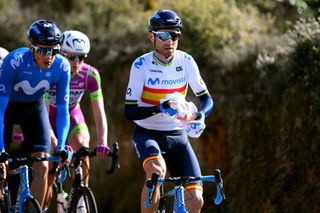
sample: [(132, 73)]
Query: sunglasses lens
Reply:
[(165, 36), (76, 57), (47, 51), (174, 36)]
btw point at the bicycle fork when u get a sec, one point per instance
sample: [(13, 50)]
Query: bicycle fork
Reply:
[(179, 203), (24, 191)]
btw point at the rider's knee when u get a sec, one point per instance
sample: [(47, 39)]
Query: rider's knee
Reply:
[(155, 166), (80, 140), (41, 167)]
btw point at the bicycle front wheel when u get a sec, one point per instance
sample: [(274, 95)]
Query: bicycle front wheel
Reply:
[(31, 205), (84, 201)]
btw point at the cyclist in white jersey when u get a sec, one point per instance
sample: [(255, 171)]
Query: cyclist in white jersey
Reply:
[(153, 76), (84, 79)]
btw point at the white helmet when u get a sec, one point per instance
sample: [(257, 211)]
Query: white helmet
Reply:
[(3, 54), (75, 42)]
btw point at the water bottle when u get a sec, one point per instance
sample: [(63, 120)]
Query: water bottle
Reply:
[(62, 202)]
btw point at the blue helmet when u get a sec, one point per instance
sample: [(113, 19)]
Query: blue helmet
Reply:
[(165, 19), (44, 32)]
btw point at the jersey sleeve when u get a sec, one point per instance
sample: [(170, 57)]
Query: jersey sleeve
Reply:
[(136, 82), (94, 84), (8, 73), (194, 78), (63, 118)]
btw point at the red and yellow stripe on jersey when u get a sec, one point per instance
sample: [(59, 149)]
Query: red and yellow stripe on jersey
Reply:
[(153, 95)]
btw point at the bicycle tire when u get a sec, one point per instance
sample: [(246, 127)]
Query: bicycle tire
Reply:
[(89, 199), (31, 205)]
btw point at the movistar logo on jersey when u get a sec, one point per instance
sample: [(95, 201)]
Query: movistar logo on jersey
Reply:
[(28, 89), (153, 82), (139, 63), (176, 81), (166, 81), (15, 62)]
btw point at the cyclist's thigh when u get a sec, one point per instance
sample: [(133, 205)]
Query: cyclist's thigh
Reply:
[(35, 125), (79, 134), (147, 148), (181, 159)]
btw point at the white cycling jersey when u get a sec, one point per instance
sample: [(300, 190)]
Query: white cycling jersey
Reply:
[(151, 80)]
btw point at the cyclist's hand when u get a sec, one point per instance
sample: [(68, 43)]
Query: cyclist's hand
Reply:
[(195, 127), (102, 150), (3, 159), (65, 155), (198, 116), (3, 156), (165, 107), (3, 171)]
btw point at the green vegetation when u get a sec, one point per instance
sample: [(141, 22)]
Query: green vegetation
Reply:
[(260, 60)]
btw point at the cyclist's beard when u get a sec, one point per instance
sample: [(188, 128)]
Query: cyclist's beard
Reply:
[(165, 55)]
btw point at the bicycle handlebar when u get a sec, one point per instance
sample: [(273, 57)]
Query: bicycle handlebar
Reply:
[(155, 179), (27, 160), (114, 154)]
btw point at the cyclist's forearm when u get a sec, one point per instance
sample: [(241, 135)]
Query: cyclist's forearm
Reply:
[(62, 125), (100, 120), (133, 112), (206, 103)]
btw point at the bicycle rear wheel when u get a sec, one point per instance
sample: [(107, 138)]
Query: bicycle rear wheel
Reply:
[(84, 201), (31, 205)]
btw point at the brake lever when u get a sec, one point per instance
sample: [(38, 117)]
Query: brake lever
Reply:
[(115, 158)]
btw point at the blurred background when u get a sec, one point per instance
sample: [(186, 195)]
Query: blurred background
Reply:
[(260, 60)]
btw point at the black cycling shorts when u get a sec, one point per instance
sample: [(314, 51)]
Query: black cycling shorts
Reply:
[(34, 121), (173, 145)]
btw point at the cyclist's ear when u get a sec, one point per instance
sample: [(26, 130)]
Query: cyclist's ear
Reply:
[(30, 47), (151, 36)]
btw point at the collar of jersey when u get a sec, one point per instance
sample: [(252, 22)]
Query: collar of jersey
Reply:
[(161, 62)]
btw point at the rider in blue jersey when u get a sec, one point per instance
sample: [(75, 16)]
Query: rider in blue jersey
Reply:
[(25, 75)]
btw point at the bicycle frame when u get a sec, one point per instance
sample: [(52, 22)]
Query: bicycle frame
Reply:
[(24, 190), (77, 183), (23, 172), (178, 191)]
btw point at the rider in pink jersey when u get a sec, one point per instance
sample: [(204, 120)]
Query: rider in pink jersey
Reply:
[(84, 79)]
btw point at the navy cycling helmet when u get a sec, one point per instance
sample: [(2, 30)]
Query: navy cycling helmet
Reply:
[(44, 32), (165, 19)]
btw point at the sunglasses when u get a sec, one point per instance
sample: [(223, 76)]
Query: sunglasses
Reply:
[(165, 36), (47, 50), (76, 57)]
